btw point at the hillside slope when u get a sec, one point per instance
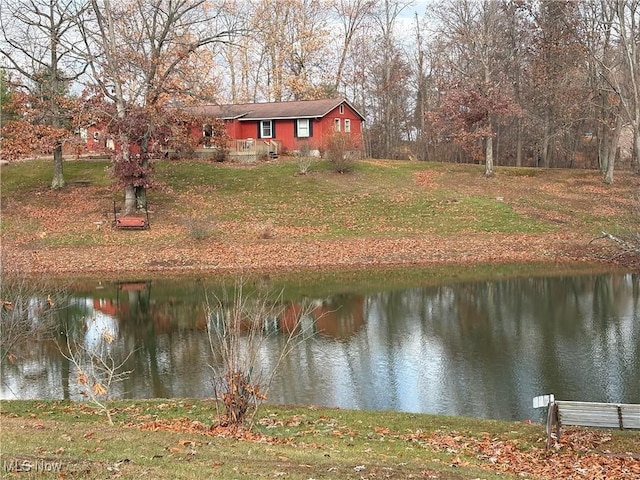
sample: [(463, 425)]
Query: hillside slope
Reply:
[(208, 217)]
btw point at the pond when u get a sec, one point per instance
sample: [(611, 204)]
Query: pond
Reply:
[(480, 349)]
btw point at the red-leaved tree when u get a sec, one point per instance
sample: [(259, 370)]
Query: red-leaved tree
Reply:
[(142, 56), (143, 135), (28, 131), (467, 116)]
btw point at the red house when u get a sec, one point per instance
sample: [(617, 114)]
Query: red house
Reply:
[(284, 126)]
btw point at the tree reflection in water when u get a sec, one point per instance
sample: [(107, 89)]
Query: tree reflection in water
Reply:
[(478, 349)]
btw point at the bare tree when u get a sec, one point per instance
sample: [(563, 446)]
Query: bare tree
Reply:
[(29, 313), (388, 72), (474, 93), (352, 15), (26, 313), (96, 366), (424, 87), (289, 46), (604, 75), (518, 38), (628, 15), (242, 71), (555, 84)]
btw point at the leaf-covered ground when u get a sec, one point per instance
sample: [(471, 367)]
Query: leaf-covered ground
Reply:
[(210, 217), (180, 439), (581, 455)]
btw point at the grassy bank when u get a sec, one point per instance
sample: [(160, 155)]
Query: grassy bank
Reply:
[(202, 200), (220, 217), (172, 439)]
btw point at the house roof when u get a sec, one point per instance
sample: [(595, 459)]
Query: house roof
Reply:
[(272, 110)]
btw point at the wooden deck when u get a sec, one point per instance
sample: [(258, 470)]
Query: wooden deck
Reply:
[(248, 150)]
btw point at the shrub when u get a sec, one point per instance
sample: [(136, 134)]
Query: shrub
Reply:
[(266, 231), (341, 152), (304, 158), (97, 368), (199, 229), (238, 326), (27, 311), (220, 154)]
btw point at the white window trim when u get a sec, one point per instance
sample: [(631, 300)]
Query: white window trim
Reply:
[(342, 109), (263, 123), (306, 130), (347, 125), (336, 124)]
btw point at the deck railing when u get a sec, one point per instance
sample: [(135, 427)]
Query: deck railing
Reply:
[(250, 147)]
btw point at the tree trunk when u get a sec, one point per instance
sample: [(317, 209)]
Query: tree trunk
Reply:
[(518, 143), (58, 177), (65, 367), (636, 147), (610, 159), (602, 148), (141, 191), (488, 170), (141, 198), (129, 199), (546, 140)]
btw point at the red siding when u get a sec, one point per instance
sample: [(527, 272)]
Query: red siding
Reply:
[(94, 141), (232, 127), (285, 131), (321, 129), (247, 130)]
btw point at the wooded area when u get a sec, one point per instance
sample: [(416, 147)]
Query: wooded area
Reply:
[(507, 82)]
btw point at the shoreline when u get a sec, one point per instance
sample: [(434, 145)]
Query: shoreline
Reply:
[(290, 257)]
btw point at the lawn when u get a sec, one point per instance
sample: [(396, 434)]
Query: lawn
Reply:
[(174, 439), (374, 200), (268, 216)]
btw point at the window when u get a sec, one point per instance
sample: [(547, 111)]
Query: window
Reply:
[(207, 133), (336, 124), (302, 128), (347, 125), (266, 129), (342, 109)]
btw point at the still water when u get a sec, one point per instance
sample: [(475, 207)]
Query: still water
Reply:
[(482, 349)]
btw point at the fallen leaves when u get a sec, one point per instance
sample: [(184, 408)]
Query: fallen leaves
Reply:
[(425, 178), (577, 457), (70, 242), (187, 443), (186, 425), (581, 456)]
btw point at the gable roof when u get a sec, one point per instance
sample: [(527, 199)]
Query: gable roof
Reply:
[(271, 110)]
